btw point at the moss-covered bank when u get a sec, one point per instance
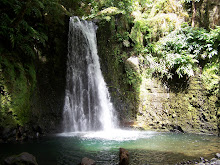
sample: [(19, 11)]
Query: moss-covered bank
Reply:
[(33, 51), (192, 109), (120, 75), (142, 99), (32, 92)]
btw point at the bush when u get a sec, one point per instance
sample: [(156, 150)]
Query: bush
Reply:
[(184, 51)]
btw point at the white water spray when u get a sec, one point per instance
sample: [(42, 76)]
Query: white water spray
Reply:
[(87, 104)]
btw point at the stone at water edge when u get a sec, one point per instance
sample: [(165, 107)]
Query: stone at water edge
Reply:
[(123, 157), (87, 161), (218, 162), (213, 160), (217, 155), (22, 159)]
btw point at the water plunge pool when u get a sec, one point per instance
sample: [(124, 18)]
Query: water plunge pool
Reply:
[(144, 147)]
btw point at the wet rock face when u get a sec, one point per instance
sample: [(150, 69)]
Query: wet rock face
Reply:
[(176, 128), (87, 161), (191, 109), (7, 133), (48, 99), (21, 159), (113, 56), (20, 133)]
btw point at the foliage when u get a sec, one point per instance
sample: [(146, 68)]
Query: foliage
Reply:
[(124, 5), (17, 30), (211, 78), (133, 76), (106, 13), (23, 25), (16, 90), (103, 9), (183, 51), (164, 17), (155, 19), (145, 16), (148, 21), (24, 32)]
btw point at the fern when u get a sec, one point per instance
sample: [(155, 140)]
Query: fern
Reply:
[(25, 25), (182, 51), (27, 50), (17, 9), (23, 32), (12, 40), (39, 4)]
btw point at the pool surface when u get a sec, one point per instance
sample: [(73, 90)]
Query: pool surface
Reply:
[(144, 147)]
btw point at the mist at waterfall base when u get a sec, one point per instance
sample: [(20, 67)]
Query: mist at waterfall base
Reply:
[(90, 122)]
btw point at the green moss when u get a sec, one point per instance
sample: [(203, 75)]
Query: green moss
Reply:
[(123, 81), (191, 109), (17, 83), (211, 78)]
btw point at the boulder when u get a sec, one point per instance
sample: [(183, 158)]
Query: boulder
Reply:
[(8, 133), (217, 162), (123, 157), (176, 128), (87, 161), (21, 159)]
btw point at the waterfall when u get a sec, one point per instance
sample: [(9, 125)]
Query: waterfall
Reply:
[(87, 105)]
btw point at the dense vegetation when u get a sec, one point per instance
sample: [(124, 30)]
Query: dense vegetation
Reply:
[(25, 32), (168, 39), (165, 36), (159, 33)]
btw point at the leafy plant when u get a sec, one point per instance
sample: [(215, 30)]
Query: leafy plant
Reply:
[(183, 51), (211, 78), (16, 90), (24, 33)]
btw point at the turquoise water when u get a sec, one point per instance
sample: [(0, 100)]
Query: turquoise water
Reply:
[(144, 147)]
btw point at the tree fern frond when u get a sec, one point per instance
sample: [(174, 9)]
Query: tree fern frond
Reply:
[(5, 19), (37, 12), (26, 49), (12, 40), (17, 9), (39, 4), (25, 25)]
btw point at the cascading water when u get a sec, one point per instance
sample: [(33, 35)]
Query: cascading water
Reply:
[(87, 104)]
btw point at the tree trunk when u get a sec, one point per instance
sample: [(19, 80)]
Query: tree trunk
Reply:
[(193, 13)]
